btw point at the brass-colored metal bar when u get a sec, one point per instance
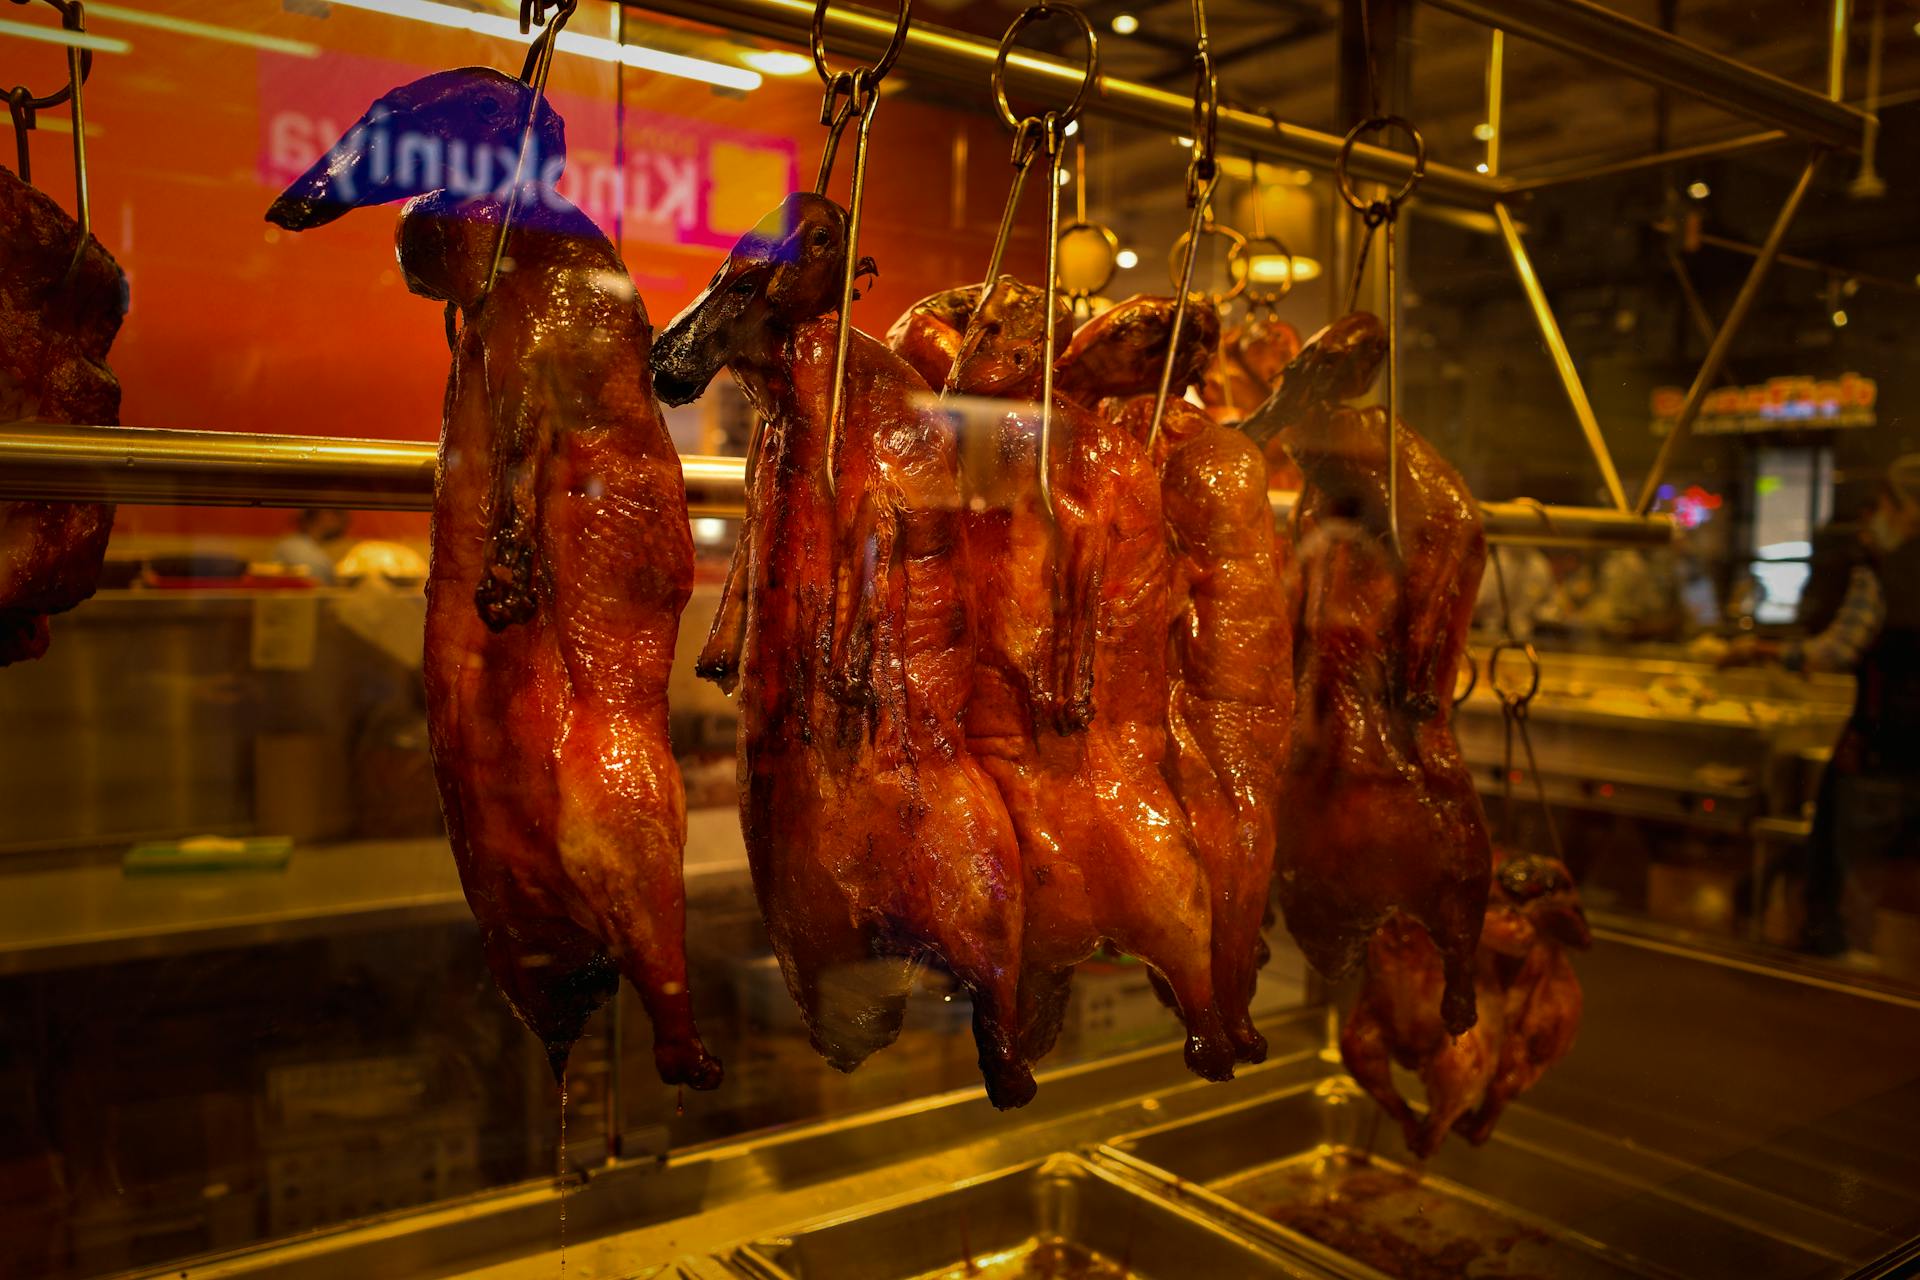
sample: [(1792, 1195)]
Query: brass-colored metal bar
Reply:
[(1712, 241), (1597, 34), (1837, 51), (967, 61), (56, 461), (1562, 358), (1583, 171), (1729, 329), (145, 467), (1496, 98), (1696, 305)]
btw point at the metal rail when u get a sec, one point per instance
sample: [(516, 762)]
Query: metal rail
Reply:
[(1736, 316), (142, 466), (962, 59), (1588, 31), (1561, 175)]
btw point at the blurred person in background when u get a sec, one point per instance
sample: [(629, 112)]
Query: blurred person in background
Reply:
[(314, 530), (1867, 816), (1533, 593)]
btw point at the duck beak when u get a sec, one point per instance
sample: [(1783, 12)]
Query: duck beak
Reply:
[(1566, 924), (396, 150), (339, 180)]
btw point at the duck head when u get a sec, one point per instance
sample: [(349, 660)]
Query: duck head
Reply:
[(786, 270), (1542, 889), (1122, 351), (1337, 364), (457, 131)]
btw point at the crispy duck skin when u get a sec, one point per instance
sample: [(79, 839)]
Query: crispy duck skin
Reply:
[(1396, 824), (1529, 1003), (561, 562), (873, 835), (1229, 696), (54, 337), (1248, 368), (1069, 713)]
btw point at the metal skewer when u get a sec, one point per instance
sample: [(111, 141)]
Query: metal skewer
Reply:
[(23, 106), (1033, 136), (533, 74), (848, 93)]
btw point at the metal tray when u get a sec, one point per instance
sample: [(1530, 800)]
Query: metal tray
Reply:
[(1293, 1168), (1061, 1218)]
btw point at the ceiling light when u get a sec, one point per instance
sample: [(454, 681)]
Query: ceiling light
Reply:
[(60, 35), (777, 62), (1125, 24), (1271, 268), (204, 30), (1839, 319), (1699, 190), (1126, 259), (596, 47), (1483, 131)]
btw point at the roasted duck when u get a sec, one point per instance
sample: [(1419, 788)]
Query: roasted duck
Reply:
[(1246, 370), (873, 836), (1230, 695), (1529, 1003), (1386, 817), (561, 562), (1247, 367), (54, 335), (1069, 713)]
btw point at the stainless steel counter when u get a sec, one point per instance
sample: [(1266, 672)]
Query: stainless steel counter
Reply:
[(1717, 1118)]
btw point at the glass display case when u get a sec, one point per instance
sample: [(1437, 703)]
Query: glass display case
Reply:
[(1644, 294)]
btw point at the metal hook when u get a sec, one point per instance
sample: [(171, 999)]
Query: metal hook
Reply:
[(1178, 268), (1033, 136), (533, 74), (1264, 301), (1082, 293), (1203, 175), (1375, 214), (1473, 677), (1198, 223), (23, 106), (1514, 711), (848, 93), (1201, 170)]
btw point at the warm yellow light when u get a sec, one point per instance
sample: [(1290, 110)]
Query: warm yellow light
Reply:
[(60, 35), (596, 47), (1699, 190), (1271, 268), (777, 62), (203, 30), (1483, 131), (1839, 319), (1125, 24)]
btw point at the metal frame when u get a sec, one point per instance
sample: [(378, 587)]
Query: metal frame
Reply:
[(1590, 32), (42, 461), (1579, 27), (956, 58), (235, 469)]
